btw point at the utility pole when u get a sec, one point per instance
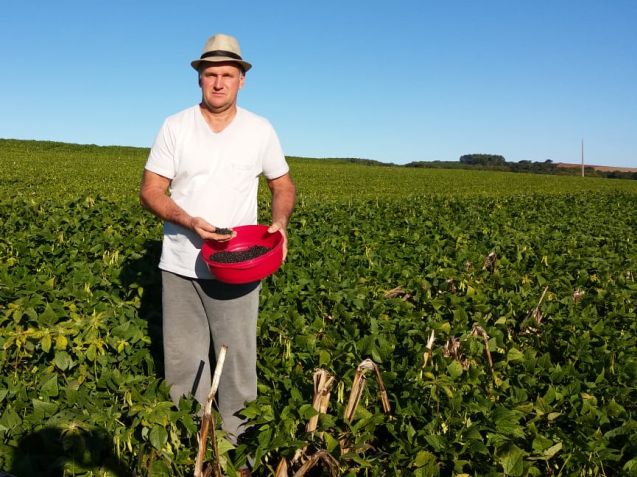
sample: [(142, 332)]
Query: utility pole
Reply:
[(582, 157)]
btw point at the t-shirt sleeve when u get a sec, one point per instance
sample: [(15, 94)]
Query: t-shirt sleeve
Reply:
[(161, 159), (274, 163)]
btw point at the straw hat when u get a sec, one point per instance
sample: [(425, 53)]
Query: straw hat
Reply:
[(220, 47)]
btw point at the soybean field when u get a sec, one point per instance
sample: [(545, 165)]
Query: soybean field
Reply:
[(426, 322)]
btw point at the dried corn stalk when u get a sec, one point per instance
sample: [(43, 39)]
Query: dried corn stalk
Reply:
[(208, 424), (452, 350), (323, 383), (535, 316), (384, 399), (398, 292), (427, 354), (480, 331), (490, 261), (578, 295), (358, 386), (321, 455), (282, 468), (394, 292)]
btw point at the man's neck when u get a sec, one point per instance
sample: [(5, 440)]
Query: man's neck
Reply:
[(218, 120)]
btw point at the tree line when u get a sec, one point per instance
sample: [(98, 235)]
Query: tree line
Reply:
[(499, 163)]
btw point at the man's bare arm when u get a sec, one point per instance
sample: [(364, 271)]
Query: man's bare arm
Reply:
[(154, 197), (283, 200)]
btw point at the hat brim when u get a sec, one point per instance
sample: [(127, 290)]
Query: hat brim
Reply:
[(221, 59)]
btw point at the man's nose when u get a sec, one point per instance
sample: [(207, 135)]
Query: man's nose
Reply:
[(218, 82)]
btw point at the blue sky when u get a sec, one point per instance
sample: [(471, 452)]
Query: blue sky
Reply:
[(394, 81)]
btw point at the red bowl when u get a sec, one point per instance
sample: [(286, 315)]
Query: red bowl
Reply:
[(249, 270)]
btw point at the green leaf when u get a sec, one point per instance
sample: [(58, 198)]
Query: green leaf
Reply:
[(42, 409), (62, 360), (324, 358), (436, 441), (330, 442), (551, 451), (61, 342), (511, 457), (48, 316), (161, 413), (375, 355), (541, 443), (515, 354), (630, 467), (423, 458), (160, 469), (158, 437), (327, 421), (265, 436), (50, 387), (45, 342), (455, 369), (91, 352), (553, 415), (224, 445), (447, 390), (307, 411), (507, 422), (31, 313), (9, 419)]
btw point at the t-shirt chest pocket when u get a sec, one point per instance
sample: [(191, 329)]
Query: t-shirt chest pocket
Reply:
[(242, 176)]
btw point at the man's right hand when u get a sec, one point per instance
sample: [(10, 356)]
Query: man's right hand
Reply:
[(153, 196), (208, 231)]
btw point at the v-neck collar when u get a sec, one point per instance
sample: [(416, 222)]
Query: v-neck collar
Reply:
[(202, 118)]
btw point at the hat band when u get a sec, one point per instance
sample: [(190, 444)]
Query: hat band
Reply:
[(228, 54)]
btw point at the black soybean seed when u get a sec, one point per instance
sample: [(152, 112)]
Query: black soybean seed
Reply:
[(223, 231), (239, 255)]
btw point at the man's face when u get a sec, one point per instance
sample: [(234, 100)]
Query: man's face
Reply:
[(220, 83)]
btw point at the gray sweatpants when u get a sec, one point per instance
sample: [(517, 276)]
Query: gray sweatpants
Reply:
[(197, 313)]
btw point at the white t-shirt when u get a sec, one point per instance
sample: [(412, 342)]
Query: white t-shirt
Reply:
[(213, 175)]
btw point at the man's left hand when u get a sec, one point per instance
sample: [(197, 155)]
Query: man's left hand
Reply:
[(278, 227)]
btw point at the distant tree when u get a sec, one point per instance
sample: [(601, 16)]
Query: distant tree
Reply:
[(483, 159)]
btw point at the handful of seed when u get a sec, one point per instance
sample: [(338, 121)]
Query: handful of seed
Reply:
[(222, 231), (239, 255)]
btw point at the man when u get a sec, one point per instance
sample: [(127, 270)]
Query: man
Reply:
[(202, 174)]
